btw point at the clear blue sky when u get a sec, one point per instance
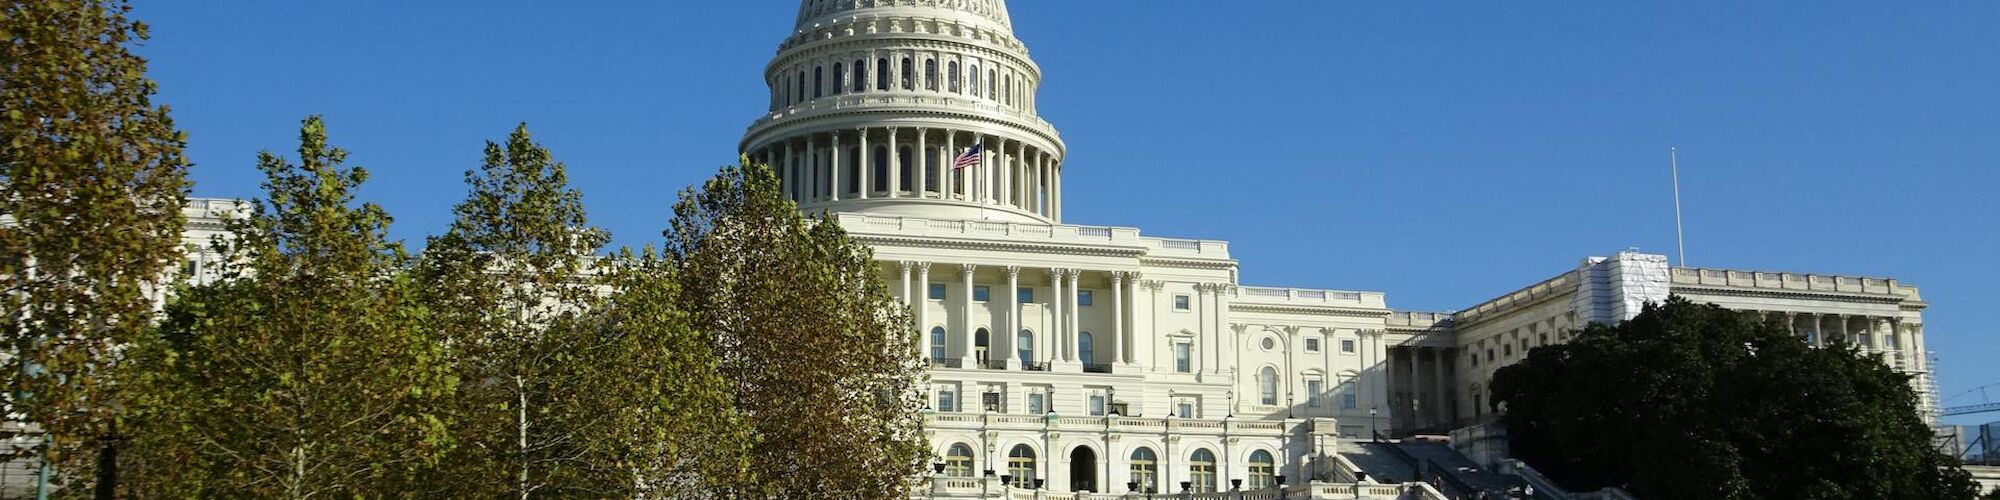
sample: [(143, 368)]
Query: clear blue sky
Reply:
[(1441, 152)]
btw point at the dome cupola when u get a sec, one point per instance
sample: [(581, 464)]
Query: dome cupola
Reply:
[(922, 108)]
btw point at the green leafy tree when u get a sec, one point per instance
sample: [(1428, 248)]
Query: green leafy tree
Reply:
[(305, 370), (819, 355), (562, 397), (1695, 401), (91, 184)]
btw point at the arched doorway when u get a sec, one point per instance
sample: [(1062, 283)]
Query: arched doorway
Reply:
[(1083, 470)]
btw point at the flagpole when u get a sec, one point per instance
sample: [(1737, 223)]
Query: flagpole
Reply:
[(1680, 237)]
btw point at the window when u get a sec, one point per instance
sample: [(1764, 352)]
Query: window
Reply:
[(1312, 392), (958, 461), (1085, 350), (1025, 295), (1181, 302), (881, 168), (1146, 470), (1347, 395), (882, 74), (1312, 345), (802, 85), (1267, 385), (860, 76), (1183, 357), (1507, 349), (992, 85), (930, 74), (906, 160), (979, 342), (990, 400), (975, 80), (1021, 465), (1347, 346), (1037, 402), (1201, 471), (854, 170), (1263, 470), (947, 399), (819, 81), (1475, 358), (1096, 405), (909, 74), (1269, 343), (1083, 298), (951, 75), (839, 74), (981, 293), (1024, 343), (1489, 355), (1007, 91), (1545, 338), (937, 291), (937, 342), (1184, 409)]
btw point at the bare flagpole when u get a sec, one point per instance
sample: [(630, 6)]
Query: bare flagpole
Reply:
[(1680, 237)]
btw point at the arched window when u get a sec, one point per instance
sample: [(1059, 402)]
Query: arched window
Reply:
[(958, 461), (819, 81), (1007, 91), (979, 344), (802, 85), (1085, 350), (930, 74), (909, 74), (1024, 343), (905, 162), (1201, 471), (860, 76), (881, 168), (882, 74), (951, 75), (930, 169), (839, 75), (853, 170), (937, 342), (1021, 465), (1263, 470), (992, 85), (1146, 470), (1267, 385), (974, 80)]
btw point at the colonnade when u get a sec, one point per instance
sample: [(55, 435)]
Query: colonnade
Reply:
[(1004, 309), (916, 162), (1424, 379), (959, 71), (1902, 342)]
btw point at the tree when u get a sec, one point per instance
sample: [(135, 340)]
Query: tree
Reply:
[(819, 356), (91, 184), (1695, 401), (305, 369), (563, 397)]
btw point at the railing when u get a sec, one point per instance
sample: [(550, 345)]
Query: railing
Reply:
[(993, 364), (1450, 483), (947, 363), (1035, 366), (1097, 368)]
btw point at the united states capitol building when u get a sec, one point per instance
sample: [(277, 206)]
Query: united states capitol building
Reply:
[(1070, 358)]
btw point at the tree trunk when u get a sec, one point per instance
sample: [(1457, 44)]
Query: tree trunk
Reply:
[(521, 437)]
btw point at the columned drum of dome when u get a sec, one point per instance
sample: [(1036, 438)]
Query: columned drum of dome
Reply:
[(874, 102)]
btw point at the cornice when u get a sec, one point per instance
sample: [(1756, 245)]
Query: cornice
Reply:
[(991, 245), (1796, 294), (765, 132), (901, 41), (1179, 263), (1348, 312)]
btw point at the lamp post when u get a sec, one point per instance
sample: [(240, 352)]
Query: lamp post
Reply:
[(1374, 427), (1231, 396)]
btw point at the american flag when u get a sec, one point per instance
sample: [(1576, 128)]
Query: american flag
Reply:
[(969, 158)]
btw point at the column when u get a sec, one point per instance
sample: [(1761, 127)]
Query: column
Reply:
[(785, 184), (965, 324), (1819, 330), (1058, 341), (1118, 317), (1013, 293), (1069, 310), (1132, 319), (811, 186), (834, 161), (946, 188), (923, 305), (1006, 174), (895, 166), (1440, 386), (867, 167), (1055, 200), (924, 163), (1206, 357)]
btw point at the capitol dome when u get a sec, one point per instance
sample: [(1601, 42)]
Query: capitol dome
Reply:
[(875, 102)]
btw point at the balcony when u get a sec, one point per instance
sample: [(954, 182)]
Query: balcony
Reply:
[(947, 363), (993, 364), (1041, 366)]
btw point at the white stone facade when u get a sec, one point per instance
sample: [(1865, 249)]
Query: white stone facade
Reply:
[(1094, 357)]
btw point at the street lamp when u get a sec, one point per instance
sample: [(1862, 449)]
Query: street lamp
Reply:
[(1374, 427), (1231, 396)]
